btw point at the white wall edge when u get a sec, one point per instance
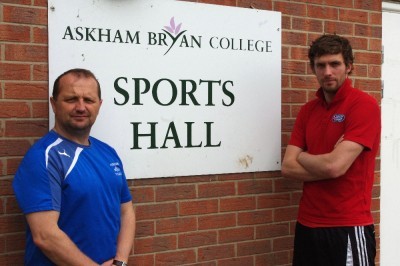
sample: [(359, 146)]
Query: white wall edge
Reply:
[(390, 7)]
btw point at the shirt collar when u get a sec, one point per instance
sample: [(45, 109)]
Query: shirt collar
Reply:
[(340, 94)]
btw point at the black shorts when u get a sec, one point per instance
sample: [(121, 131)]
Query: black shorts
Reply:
[(334, 246)]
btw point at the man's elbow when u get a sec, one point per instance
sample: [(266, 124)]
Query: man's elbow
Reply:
[(41, 240), (334, 171), (286, 170)]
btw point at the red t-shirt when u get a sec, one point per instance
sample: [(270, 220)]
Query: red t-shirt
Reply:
[(346, 200)]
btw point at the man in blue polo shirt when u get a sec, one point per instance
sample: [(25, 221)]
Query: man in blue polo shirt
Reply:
[(72, 187)]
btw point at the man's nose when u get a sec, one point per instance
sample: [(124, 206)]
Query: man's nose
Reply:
[(80, 105), (328, 70)]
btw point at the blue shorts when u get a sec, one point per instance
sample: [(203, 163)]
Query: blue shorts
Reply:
[(334, 246)]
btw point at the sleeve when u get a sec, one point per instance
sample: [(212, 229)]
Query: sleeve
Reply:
[(125, 192), (363, 123), (32, 185)]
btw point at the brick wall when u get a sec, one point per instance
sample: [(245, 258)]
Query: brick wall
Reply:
[(232, 219)]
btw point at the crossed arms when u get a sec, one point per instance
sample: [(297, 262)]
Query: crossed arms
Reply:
[(299, 164)]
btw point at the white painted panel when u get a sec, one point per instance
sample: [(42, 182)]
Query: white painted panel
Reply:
[(390, 145), (229, 57)]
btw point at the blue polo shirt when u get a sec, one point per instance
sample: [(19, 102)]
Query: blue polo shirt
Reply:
[(86, 184)]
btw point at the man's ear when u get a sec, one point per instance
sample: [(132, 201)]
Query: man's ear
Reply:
[(348, 68), (53, 103)]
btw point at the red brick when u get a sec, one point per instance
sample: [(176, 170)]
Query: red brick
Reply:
[(13, 147), (197, 239), (304, 82), (198, 207), (11, 206), (274, 258), (287, 125), (356, 16), (294, 38), (254, 247), (307, 24), (235, 235), (6, 187), (176, 225), (254, 187), (17, 2), (292, 9), (273, 200), (180, 192), (143, 194), (142, 260), (41, 73), (375, 45), (37, 91), (2, 244), (42, 3), (23, 53), (176, 258), (255, 217), (40, 109), (360, 71), (341, 28), (14, 110), (294, 96), (237, 261), (216, 221), (40, 35), (369, 85), (294, 67), (272, 230), (368, 31), (12, 258), (285, 214), (375, 18), (235, 176), (237, 204), (15, 242), (323, 12), (145, 229), (11, 71), (25, 15), (12, 224), (216, 190), (282, 243), (216, 252), (299, 53), (14, 33), (156, 211), (26, 128), (372, 5), (155, 244)]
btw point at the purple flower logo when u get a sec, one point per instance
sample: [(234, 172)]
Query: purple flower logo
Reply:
[(172, 28), (173, 31)]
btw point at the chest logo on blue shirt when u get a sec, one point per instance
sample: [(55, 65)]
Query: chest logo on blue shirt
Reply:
[(116, 168), (338, 118)]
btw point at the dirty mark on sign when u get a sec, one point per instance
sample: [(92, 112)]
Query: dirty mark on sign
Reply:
[(246, 161)]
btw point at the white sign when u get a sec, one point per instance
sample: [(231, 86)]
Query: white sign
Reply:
[(187, 88)]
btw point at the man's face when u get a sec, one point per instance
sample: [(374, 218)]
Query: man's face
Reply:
[(331, 72), (77, 105)]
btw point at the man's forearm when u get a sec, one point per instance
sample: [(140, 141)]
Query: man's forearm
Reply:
[(126, 235)]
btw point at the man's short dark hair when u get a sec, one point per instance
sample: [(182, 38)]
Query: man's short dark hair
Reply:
[(331, 44), (78, 72)]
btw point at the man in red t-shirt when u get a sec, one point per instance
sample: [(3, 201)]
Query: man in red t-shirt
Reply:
[(332, 149)]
